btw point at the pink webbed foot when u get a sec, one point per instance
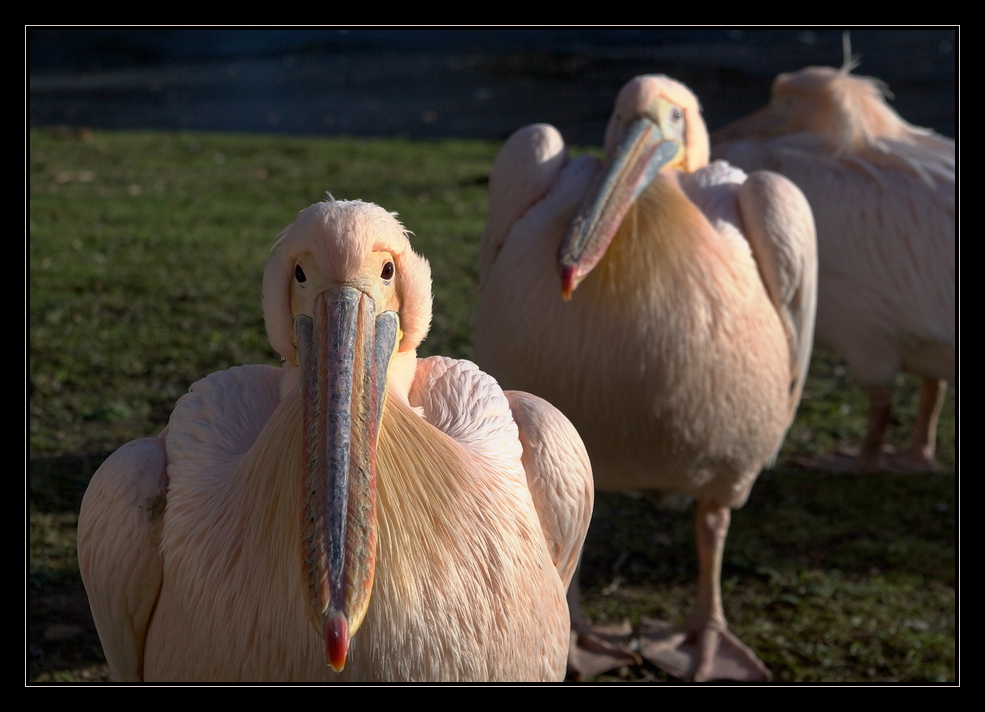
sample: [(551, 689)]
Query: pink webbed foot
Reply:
[(700, 652), (874, 456), (594, 650), (911, 461), (597, 650), (842, 460)]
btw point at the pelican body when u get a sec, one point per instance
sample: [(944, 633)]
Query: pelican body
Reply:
[(664, 305), (882, 193), (357, 514)]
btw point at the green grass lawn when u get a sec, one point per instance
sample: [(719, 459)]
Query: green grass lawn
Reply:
[(146, 253)]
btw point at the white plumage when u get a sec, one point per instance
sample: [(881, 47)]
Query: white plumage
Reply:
[(190, 543), (682, 352)]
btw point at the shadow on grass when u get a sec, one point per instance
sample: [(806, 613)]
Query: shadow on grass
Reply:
[(828, 577), (62, 642)]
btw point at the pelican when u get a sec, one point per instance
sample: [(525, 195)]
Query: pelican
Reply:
[(357, 514), (882, 192), (666, 306)]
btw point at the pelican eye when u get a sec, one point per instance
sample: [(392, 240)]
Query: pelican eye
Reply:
[(299, 274), (387, 272), (677, 114)]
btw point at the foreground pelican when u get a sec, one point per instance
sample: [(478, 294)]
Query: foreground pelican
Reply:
[(882, 192), (395, 519), (681, 356)]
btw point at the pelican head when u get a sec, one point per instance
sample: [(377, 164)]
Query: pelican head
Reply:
[(656, 126), (846, 112), (346, 303)]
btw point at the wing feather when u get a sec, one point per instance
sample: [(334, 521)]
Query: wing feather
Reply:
[(559, 476), (524, 170), (780, 229), (120, 550), (511, 429)]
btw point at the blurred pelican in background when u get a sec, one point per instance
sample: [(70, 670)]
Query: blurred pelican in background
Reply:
[(882, 193)]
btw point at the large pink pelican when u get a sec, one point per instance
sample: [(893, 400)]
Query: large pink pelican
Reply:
[(357, 514), (683, 339), (882, 192)]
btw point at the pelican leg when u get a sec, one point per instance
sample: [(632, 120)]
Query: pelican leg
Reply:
[(874, 455), (593, 651), (702, 648), (869, 458), (919, 457), (880, 404)]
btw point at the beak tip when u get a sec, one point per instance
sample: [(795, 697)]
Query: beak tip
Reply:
[(336, 641), (568, 282)]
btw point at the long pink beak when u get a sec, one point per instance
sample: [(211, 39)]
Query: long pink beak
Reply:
[(344, 351), (640, 156)]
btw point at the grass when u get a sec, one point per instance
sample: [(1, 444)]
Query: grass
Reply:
[(146, 255)]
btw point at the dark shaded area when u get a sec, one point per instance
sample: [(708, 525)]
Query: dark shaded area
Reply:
[(795, 519), (447, 83), (61, 632), (57, 484), (858, 530)]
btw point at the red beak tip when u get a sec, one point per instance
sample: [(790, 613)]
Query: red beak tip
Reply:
[(336, 641), (567, 282)]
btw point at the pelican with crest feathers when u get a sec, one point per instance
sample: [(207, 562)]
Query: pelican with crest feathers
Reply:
[(666, 306), (357, 514), (882, 193)]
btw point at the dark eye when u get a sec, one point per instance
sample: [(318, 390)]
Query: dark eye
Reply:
[(299, 274), (677, 115), (387, 271)]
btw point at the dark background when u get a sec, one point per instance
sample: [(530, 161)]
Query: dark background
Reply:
[(468, 83)]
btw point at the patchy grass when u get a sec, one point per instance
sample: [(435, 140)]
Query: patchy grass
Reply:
[(146, 256), (828, 577)]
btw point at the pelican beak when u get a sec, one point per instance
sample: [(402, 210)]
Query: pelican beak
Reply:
[(640, 156), (344, 351)]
